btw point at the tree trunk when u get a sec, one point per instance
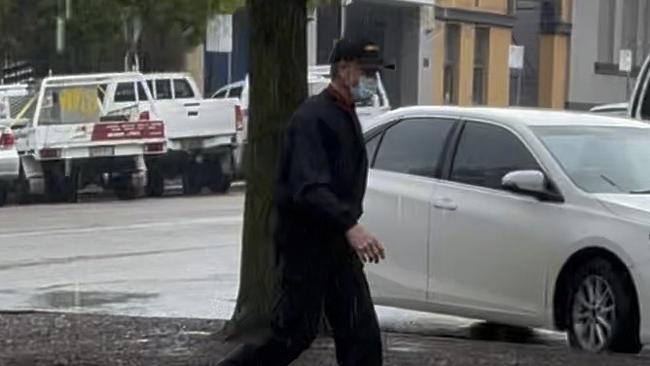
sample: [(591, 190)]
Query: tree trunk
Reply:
[(278, 84)]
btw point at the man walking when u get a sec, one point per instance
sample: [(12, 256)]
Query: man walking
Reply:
[(320, 188)]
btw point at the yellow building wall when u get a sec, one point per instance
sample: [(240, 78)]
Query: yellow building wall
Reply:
[(567, 10), (194, 65), (553, 71), (466, 64), (498, 83), (467, 4), (497, 6), (438, 63)]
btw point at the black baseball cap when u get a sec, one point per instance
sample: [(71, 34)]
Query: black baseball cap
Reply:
[(366, 52)]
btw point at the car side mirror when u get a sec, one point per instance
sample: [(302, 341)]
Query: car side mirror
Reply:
[(530, 182)]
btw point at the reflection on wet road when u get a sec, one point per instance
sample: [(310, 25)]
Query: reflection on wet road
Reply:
[(175, 256)]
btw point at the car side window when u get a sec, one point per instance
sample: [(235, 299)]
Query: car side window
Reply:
[(235, 92), (142, 95), (151, 88), (414, 146), (221, 94), (182, 89), (163, 89), (371, 147), (125, 92), (486, 153)]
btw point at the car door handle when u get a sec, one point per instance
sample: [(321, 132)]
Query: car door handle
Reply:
[(445, 204)]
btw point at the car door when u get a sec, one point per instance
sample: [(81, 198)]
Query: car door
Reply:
[(490, 255), (405, 160)]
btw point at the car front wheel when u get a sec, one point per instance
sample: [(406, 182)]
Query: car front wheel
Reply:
[(602, 309)]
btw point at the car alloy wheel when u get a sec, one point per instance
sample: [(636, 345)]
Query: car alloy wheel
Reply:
[(594, 313)]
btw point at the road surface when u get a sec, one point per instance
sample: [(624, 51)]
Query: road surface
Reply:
[(169, 257)]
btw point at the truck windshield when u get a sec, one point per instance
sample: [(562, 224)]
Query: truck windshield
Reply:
[(71, 105)]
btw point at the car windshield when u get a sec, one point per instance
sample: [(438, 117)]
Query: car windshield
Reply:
[(602, 159)]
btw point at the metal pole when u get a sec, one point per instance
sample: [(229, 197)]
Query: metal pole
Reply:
[(343, 5), (229, 67), (519, 84)]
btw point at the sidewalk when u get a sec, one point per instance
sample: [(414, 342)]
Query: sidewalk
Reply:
[(93, 340)]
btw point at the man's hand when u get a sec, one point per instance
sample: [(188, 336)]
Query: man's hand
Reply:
[(367, 246)]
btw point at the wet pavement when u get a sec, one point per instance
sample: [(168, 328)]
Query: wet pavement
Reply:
[(174, 257), (96, 340)]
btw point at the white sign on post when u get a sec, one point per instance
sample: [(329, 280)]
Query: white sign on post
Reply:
[(625, 60), (219, 33), (516, 57)]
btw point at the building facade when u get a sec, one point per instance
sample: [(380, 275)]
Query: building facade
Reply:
[(601, 29), (472, 40)]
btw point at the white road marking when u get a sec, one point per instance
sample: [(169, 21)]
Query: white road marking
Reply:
[(224, 220)]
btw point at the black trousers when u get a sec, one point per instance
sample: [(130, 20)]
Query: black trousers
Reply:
[(339, 287)]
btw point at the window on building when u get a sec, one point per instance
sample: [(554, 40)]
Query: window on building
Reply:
[(452, 56), (512, 7), (629, 26), (606, 31), (414, 146), (643, 32), (481, 57), (623, 25), (486, 153)]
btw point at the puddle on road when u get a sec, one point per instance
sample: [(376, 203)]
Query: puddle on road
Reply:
[(68, 299)]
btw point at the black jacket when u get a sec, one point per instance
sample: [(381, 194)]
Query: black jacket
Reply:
[(322, 175)]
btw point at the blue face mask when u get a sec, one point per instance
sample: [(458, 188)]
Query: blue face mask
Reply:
[(366, 89)]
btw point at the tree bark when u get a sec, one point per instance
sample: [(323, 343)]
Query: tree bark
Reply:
[(278, 85)]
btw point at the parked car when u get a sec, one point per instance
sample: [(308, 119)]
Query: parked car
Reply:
[(521, 217), (9, 161), (69, 135), (201, 133), (614, 109)]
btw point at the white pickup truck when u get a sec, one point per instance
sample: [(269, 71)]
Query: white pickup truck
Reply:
[(318, 78), (69, 135), (200, 132)]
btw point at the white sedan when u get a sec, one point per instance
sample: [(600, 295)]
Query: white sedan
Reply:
[(521, 217), (9, 163)]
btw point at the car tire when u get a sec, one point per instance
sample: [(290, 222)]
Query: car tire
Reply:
[(155, 183), (218, 181), (192, 179), (601, 312)]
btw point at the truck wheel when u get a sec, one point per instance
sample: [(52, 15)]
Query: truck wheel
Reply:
[(218, 181), (125, 189), (60, 188), (192, 179), (3, 194), (155, 183), (23, 190)]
